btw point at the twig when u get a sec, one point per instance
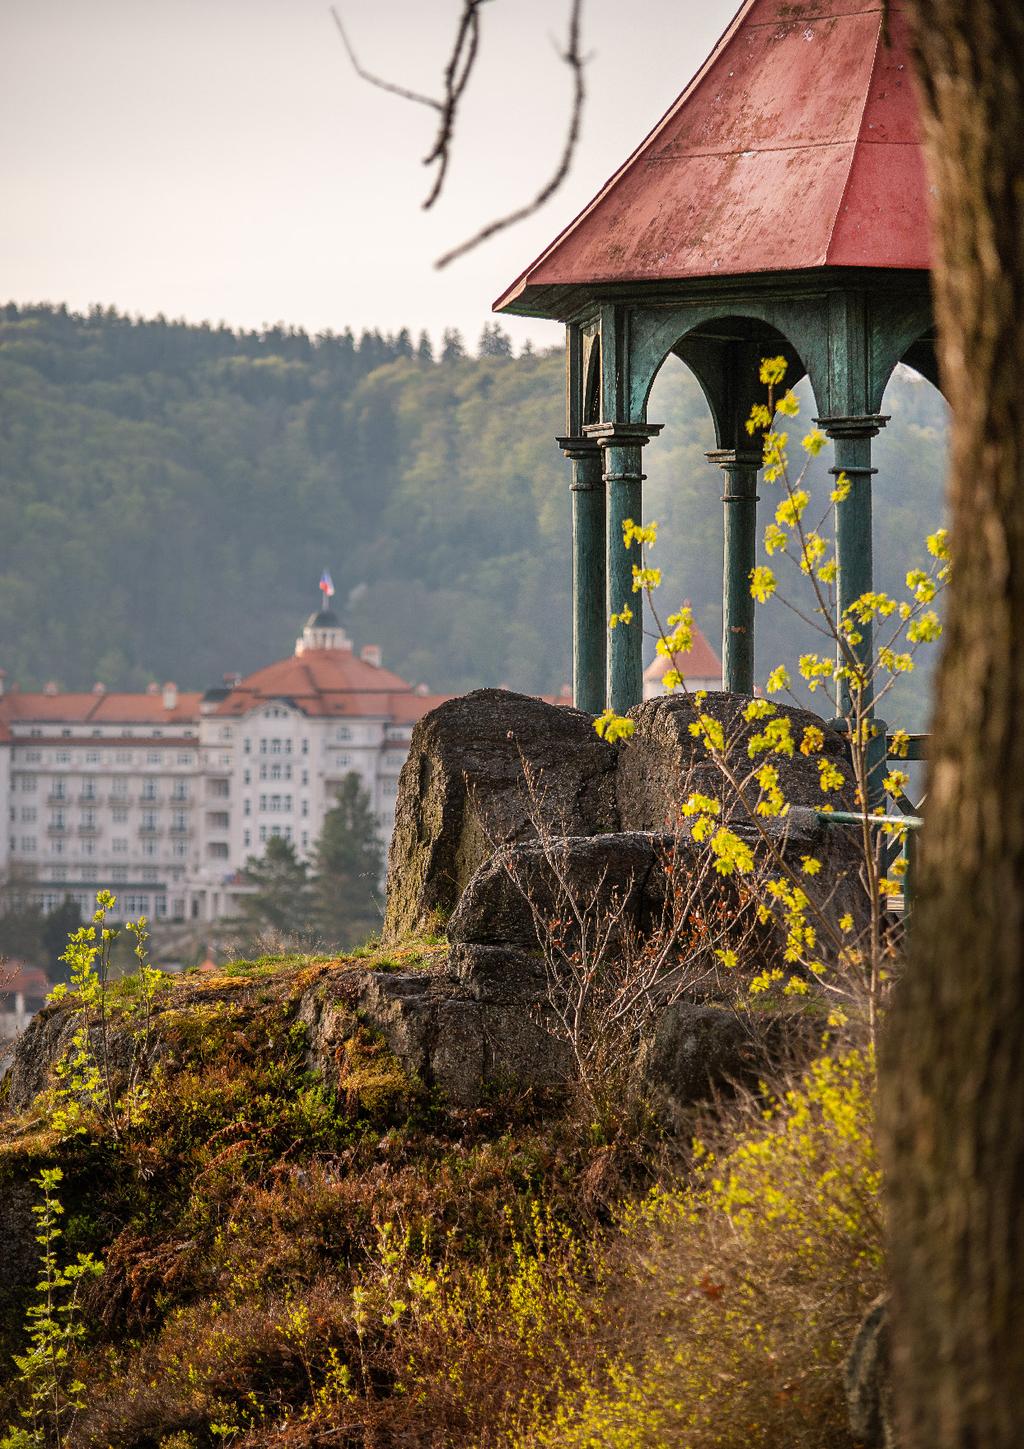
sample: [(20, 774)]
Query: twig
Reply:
[(574, 60), (376, 80)]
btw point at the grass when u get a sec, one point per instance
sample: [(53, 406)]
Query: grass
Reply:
[(303, 1260)]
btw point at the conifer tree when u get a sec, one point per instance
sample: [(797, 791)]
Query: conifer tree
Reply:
[(425, 348), (347, 866), (281, 902), (453, 349)]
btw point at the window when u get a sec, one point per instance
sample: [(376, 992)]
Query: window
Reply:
[(180, 849), (60, 872), (32, 757), (305, 840), (57, 847), (122, 757), (92, 757), (118, 874), (28, 812), (344, 760), (153, 757), (183, 757), (88, 789), (217, 850), (305, 777), (288, 746), (246, 838), (149, 874), (119, 816), (66, 734), (134, 905), (149, 789), (246, 777), (149, 848), (305, 808), (119, 789), (160, 907), (58, 820), (148, 820), (179, 790), (263, 802), (247, 806), (87, 847), (88, 820), (29, 784), (275, 747), (119, 845), (305, 747), (263, 747), (63, 757), (28, 844), (179, 820), (344, 733), (226, 732), (247, 746), (263, 833)]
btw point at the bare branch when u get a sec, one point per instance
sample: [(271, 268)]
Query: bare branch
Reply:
[(456, 78), (575, 61), (378, 81)]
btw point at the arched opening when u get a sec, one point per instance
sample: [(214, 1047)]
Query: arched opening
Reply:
[(704, 558), (911, 455)]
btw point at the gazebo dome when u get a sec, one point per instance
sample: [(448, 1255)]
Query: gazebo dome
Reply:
[(796, 146), (325, 619)]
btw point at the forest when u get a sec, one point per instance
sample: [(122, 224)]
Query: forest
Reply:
[(169, 494)]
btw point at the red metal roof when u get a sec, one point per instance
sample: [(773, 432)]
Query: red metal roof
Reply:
[(797, 145)]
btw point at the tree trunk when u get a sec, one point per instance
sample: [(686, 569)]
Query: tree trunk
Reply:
[(953, 1065)]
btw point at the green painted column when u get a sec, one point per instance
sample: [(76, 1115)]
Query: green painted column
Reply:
[(622, 445), (589, 589), (854, 553), (739, 501)]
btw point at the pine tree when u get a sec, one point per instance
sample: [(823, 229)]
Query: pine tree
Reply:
[(281, 902), (453, 349), (494, 342), (425, 348), (347, 866)]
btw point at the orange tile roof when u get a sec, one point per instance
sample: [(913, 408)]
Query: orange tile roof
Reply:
[(111, 708), (700, 663), (329, 682)]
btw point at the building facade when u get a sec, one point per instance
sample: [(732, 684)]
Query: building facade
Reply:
[(163, 796)]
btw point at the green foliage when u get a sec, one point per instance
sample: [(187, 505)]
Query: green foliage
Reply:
[(347, 865), (281, 902), (46, 1373), (119, 434)]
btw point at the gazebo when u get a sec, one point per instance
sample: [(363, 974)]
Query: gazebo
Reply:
[(779, 207)]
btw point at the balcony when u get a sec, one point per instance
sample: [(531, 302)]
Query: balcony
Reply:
[(150, 800), (57, 797), (89, 829), (56, 827), (149, 831), (178, 831), (88, 798)]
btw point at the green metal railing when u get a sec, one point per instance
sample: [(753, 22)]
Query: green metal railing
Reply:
[(907, 816)]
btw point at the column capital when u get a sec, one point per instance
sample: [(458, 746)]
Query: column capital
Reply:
[(865, 425), (578, 446), (735, 459), (622, 435)]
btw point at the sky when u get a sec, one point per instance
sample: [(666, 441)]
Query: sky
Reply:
[(219, 160)]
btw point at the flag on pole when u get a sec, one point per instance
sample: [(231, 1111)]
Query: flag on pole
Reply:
[(326, 585)]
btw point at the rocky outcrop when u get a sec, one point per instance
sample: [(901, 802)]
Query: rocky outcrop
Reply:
[(462, 793), (664, 763)]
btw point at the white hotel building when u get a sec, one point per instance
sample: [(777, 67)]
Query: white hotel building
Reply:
[(163, 796)]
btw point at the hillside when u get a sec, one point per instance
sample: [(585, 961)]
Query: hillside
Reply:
[(169, 494)]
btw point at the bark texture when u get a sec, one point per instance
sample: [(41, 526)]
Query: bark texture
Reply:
[(953, 1067)]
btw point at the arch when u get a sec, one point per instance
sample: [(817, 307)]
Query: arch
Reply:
[(789, 329), (592, 384)]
